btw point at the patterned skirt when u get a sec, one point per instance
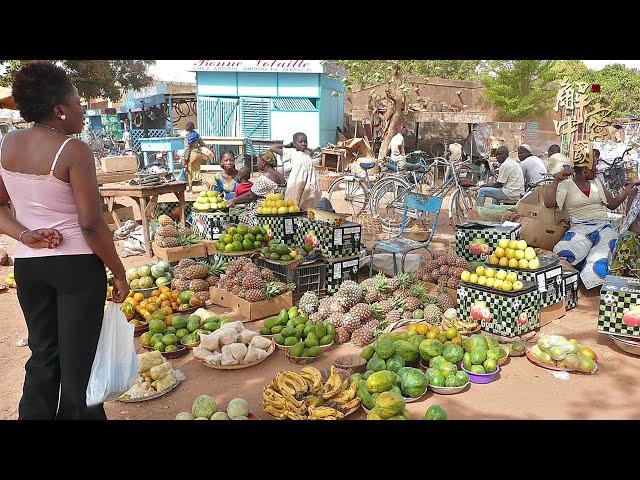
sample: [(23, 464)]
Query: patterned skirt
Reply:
[(626, 258)]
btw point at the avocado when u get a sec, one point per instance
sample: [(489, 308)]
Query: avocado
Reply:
[(297, 349), (314, 351), (290, 341)]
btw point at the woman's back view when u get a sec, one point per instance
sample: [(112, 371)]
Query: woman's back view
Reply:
[(51, 180)]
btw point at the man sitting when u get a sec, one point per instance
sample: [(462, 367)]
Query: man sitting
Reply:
[(510, 184), (533, 168)]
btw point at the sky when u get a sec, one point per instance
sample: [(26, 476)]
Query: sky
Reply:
[(176, 70)]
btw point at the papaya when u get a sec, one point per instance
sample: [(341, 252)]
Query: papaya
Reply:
[(381, 381), (297, 349), (364, 395), (290, 341), (263, 331)]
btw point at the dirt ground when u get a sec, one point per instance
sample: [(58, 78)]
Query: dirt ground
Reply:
[(523, 390)]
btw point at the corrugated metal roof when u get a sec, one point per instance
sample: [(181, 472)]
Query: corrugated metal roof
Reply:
[(289, 104)]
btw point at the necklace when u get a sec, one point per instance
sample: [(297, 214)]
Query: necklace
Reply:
[(50, 128)]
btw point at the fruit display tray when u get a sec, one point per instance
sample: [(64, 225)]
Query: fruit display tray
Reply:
[(151, 397), (527, 287), (450, 390), (181, 352), (242, 253), (296, 214), (270, 351), (545, 263), (537, 362)]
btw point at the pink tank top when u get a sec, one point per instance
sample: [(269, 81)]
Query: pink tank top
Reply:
[(44, 201)]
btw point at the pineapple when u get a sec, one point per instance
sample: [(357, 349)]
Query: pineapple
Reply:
[(350, 322), (186, 262), (412, 303), (166, 220), (198, 271), (212, 280), (166, 231), (195, 301), (253, 282), (204, 296), (349, 294), (394, 316), (452, 282), (362, 312), (407, 314), (316, 318), (372, 297), (267, 275), (365, 334), (432, 314), (254, 295), (445, 301), (308, 302), (342, 335), (450, 258), (198, 285), (324, 305), (384, 307), (180, 284), (167, 242), (337, 319), (185, 231)]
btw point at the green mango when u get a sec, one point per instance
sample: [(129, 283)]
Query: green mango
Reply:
[(288, 332), (279, 339), (331, 329), (308, 329), (263, 331), (277, 329), (297, 349), (272, 322), (326, 340), (299, 329), (364, 395), (299, 321), (284, 316), (290, 341), (320, 330), (311, 342), (314, 351)]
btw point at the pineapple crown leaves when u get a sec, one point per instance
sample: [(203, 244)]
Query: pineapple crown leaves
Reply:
[(381, 283)]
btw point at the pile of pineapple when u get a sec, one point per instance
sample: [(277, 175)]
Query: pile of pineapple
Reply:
[(444, 270), (209, 201), (276, 204), (168, 234), (197, 276), (360, 311), (245, 280)]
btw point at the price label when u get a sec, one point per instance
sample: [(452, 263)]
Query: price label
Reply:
[(337, 236), (337, 270), (288, 226)]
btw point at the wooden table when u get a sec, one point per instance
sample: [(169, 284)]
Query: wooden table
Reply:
[(114, 177), (147, 198)]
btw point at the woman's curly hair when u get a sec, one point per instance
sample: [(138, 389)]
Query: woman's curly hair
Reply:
[(38, 87)]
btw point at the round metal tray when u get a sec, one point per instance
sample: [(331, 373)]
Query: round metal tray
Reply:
[(151, 397), (450, 390)]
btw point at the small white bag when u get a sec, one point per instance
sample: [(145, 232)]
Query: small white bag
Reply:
[(115, 366)]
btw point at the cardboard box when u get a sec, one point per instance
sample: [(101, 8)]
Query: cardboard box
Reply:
[(552, 312), (258, 310), (127, 163), (220, 297), (532, 206), (175, 254), (124, 213), (617, 295)]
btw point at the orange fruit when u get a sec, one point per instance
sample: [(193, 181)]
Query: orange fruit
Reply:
[(144, 303), (166, 303), (167, 310), (164, 289), (174, 305), (155, 293), (138, 297), (436, 329), (163, 296), (167, 321)]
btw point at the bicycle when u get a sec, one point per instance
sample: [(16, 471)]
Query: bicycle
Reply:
[(614, 177), (357, 191), (546, 179)]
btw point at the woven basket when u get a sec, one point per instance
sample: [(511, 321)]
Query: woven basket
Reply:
[(370, 225)]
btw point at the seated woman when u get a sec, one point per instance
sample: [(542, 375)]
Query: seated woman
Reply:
[(591, 236), (225, 181), (271, 181), (625, 260)]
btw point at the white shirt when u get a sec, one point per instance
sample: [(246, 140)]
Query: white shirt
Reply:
[(394, 145), (511, 178), (291, 156), (533, 168)]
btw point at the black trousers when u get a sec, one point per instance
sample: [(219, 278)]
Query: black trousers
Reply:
[(62, 299)]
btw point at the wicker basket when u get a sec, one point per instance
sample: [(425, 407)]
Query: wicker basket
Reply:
[(370, 225)]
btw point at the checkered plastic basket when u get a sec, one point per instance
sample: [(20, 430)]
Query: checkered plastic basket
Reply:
[(617, 295), (491, 232)]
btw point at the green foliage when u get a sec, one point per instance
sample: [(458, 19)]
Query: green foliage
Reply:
[(520, 90), (94, 78), (619, 85)]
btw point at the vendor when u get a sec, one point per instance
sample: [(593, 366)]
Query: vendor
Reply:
[(192, 155), (303, 184), (533, 168), (591, 237), (625, 259), (510, 183), (226, 181), (270, 181), (556, 159)]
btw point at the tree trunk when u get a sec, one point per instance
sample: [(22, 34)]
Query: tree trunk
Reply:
[(394, 113)]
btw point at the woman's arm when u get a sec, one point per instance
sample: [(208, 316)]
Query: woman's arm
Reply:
[(82, 176), (614, 202), (551, 192), (41, 238), (246, 197)]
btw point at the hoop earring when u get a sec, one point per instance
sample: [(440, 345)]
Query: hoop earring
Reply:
[(63, 117)]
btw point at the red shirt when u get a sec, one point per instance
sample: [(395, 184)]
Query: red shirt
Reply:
[(242, 188)]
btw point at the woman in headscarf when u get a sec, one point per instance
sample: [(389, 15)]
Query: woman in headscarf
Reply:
[(625, 259), (226, 180), (192, 155), (591, 237), (303, 185), (271, 181)]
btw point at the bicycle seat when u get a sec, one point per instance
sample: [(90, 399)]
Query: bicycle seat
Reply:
[(411, 166), (367, 165)]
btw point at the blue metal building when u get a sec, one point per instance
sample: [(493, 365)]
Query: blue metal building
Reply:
[(268, 100)]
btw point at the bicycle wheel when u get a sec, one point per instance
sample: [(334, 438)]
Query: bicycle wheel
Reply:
[(387, 202), (437, 149), (348, 195), (460, 205)]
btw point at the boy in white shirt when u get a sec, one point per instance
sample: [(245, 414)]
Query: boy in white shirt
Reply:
[(396, 145), (510, 184)]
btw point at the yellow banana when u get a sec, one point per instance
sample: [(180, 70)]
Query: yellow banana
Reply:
[(333, 385), (297, 380), (284, 386), (321, 412), (295, 416), (313, 378), (349, 393), (275, 411), (292, 400), (350, 405), (300, 410)]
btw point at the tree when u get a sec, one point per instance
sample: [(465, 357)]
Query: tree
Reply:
[(520, 90), (393, 74), (95, 78)]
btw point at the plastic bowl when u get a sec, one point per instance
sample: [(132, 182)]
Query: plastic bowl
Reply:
[(482, 377), (626, 345)]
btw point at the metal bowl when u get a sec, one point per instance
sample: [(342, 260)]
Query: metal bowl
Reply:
[(450, 390), (625, 345)]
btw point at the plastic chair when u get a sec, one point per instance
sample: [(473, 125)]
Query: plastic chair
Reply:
[(403, 246)]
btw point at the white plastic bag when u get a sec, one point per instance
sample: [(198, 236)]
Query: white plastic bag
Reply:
[(115, 366)]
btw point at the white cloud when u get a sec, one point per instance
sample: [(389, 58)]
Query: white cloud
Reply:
[(173, 71), (599, 64)]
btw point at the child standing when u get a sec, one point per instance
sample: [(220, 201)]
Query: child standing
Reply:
[(244, 184)]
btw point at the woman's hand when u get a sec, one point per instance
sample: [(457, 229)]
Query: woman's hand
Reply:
[(42, 238), (563, 175), (120, 290)]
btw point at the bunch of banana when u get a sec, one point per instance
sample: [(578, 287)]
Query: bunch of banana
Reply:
[(333, 385), (313, 377), (464, 328), (324, 413), (348, 399)]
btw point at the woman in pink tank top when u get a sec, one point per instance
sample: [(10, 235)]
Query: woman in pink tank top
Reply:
[(63, 244)]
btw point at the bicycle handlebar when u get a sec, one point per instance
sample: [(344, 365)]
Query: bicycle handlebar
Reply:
[(617, 159)]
